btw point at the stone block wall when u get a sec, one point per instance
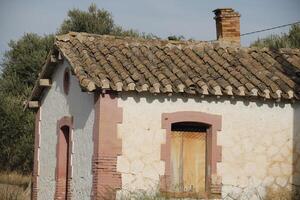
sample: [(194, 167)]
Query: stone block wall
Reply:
[(260, 146), (257, 162)]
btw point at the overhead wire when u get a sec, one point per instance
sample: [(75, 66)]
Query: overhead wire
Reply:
[(263, 30), (268, 29)]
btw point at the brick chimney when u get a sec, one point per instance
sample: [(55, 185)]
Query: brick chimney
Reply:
[(228, 26)]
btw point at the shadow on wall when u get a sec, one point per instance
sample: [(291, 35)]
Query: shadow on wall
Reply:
[(80, 103), (150, 98)]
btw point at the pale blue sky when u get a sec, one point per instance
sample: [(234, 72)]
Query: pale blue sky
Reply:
[(190, 18)]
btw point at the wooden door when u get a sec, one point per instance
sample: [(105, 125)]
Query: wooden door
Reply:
[(176, 161), (188, 160)]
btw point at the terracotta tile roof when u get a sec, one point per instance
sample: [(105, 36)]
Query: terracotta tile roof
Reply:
[(159, 66)]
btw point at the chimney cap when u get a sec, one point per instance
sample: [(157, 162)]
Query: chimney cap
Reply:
[(226, 12), (223, 9)]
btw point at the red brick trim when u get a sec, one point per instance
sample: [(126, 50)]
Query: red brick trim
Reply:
[(60, 188), (213, 151), (36, 163), (107, 147)]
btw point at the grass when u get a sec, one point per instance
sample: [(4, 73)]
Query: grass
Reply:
[(14, 186), (14, 178), (11, 192)]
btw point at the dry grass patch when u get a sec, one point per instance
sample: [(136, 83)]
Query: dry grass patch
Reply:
[(14, 186), (14, 178), (282, 194), (12, 192)]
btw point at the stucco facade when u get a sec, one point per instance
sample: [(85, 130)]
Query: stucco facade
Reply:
[(259, 140), (55, 105)]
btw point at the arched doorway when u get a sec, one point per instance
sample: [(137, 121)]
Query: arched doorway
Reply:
[(63, 162)]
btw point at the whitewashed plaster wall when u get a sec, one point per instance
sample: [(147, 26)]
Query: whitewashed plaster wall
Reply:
[(257, 140), (54, 106)]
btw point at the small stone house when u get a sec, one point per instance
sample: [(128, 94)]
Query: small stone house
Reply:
[(118, 116)]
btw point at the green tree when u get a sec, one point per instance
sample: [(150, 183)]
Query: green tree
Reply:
[(16, 131), (176, 38), (20, 67), (287, 40), (24, 60), (98, 21), (294, 36)]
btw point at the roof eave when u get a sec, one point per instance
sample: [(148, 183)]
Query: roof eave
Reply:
[(54, 57)]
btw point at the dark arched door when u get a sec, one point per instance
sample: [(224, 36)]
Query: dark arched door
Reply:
[(63, 163)]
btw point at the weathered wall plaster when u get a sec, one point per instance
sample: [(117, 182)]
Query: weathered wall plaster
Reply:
[(257, 140), (296, 149), (55, 105)]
